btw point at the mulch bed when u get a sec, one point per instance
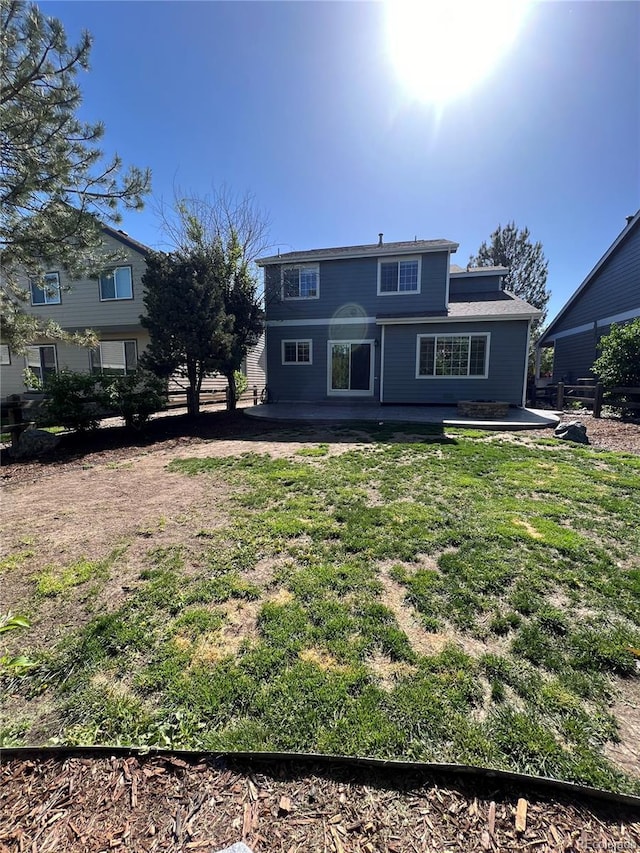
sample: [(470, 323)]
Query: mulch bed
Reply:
[(163, 803)]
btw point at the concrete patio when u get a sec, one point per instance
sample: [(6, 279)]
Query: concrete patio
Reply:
[(516, 418)]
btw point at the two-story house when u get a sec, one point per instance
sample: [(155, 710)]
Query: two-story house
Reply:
[(110, 304), (392, 323)]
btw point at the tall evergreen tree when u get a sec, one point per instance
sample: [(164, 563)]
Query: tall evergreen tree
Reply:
[(55, 186), (202, 314), (527, 277)]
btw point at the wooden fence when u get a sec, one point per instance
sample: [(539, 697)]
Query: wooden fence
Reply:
[(591, 396), (18, 413)]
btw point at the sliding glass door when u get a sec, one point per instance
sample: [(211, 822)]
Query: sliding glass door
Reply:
[(350, 368)]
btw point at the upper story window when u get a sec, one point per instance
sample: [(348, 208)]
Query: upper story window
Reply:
[(114, 357), (116, 284), (452, 355), (46, 292), (301, 282), (399, 275)]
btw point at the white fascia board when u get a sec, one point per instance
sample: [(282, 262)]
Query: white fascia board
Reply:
[(588, 327), (325, 321), (479, 273), (408, 321)]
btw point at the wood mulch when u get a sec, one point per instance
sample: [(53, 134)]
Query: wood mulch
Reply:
[(163, 803)]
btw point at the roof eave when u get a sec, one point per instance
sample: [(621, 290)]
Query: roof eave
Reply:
[(612, 248), (374, 252)]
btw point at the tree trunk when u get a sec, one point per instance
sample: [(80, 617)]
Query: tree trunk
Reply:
[(231, 394), (193, 391)]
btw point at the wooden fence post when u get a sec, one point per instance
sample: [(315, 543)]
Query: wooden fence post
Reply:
[(597, 400), (560, 400), (15, 418), (255, 395)]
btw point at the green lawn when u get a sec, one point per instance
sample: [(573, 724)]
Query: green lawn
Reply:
[(458, 599)]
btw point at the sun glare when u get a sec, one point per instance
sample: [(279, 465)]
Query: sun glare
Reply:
[(443, 48)]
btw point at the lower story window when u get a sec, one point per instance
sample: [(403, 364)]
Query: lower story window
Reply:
[(453, 355), (42, 361), (5, 355), (296, 352), (114, 357)]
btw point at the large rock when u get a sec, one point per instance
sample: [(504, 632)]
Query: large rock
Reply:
[(35, 442), (572, 431)]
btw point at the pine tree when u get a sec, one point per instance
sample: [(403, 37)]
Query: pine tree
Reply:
[(55, 187), (527, 277), (202, 314)]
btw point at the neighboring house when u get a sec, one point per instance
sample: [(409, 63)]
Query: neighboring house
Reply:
[(110, 304), (609, 294), (392, 323)]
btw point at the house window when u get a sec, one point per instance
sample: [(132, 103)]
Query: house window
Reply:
[(401, 275), (42, 361), (296, 352), (46, 292), (114, 357), (453, 355), (5, 355), (301, 282), (116, 284)]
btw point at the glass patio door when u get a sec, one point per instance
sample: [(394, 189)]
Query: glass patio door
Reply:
[(351, 367)]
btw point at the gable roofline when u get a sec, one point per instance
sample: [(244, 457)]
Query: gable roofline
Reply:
[(123, 237), (410, 247), (626, 231)]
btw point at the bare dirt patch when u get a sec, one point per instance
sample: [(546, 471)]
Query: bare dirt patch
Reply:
[(626, 709)]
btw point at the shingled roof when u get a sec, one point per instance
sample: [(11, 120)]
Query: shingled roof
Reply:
[(409, 247)]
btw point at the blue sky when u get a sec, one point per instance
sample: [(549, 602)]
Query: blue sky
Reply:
[(299, 103)]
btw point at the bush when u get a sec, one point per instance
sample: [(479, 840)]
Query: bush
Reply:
[(135, 397), (242, 383), (619, 360), (79, 401), (73, 400)]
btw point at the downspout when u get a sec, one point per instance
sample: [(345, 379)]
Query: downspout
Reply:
[(526, 365), (382, 367)]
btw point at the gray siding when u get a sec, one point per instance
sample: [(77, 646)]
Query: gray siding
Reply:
[(255, 365), (573, 356), (308, 382), (349, 285), (506, 364), (80, 306), (68, 358), (475, 284), (614, 289)]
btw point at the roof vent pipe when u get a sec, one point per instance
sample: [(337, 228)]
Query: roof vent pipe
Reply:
[(630, 218), (380, 236)]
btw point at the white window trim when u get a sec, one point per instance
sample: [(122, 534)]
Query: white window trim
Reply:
[(58, 301), (398, 260), (332, 392), (285, 298), (296, 341), (469, 335), (116, 298)]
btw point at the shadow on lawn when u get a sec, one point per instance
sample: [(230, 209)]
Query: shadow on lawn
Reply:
[(227, 426)]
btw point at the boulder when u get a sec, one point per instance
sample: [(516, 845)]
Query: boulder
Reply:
[(35, 442), (572, 431)]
